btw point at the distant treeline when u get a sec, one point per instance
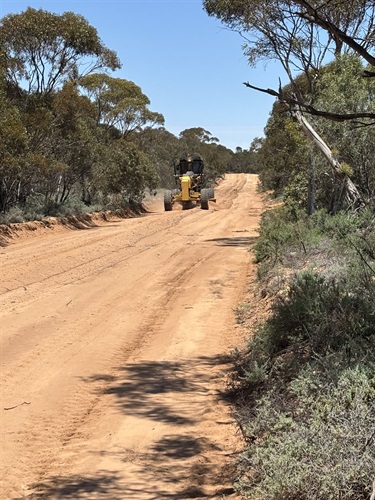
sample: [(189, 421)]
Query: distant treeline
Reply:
[(73, 138)]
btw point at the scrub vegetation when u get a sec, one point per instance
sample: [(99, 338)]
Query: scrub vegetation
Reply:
[(305, 384)]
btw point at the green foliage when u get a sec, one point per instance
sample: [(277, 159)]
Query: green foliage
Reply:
[(284, 152), (120, 103), (197, 135), (282, 228), (216, 157), (323, 313), (245, 161), (61, 134), (343, 88), (288, 164), (354, 236), (13, 147), (161, 147), (295, 193), (45, 49), (216, 161), (320, 446), (126, 171), (73, 133), (307, 381)]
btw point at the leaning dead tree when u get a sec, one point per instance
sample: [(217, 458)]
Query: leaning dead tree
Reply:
[(348, 193), (302, 35)]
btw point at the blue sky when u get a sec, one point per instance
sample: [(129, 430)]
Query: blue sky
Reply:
[(191, 67)]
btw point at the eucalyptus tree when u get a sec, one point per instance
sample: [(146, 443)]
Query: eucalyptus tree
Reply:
[(302, 36), (13, 148), (44, 55), (197, 135), (74, 141), (283, 154), (342, 88), (201, 141), (246, 160), (125, 171), (120, 104), (162, 148), (43, 49), (193, 140), (217, 161)]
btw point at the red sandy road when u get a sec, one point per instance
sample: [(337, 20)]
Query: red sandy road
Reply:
[(113, 345)]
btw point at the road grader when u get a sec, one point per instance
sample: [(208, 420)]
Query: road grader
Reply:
[(189, 177)]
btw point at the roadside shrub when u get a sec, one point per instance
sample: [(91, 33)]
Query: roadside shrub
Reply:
[(324, 313), (275, 233), (354, 235), (242, 312), (284, 230), (317, 441), (13, 215), (306, 383), (316, 317)]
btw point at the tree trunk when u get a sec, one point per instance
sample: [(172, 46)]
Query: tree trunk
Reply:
[(311, 192), (350, 195)]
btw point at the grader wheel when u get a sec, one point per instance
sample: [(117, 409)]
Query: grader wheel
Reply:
[(205, 199), (211, 193), (168, 201)]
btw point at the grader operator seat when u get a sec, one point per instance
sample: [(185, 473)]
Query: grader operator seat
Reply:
[(183, 166), (192, 165), (197, 166)]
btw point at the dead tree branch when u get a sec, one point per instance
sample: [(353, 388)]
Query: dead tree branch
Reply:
[(292, 101), (312, 15)]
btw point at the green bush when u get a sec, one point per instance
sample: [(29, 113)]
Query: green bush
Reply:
[(283, 230), (13, 215), (323, 313), (318, 443), (306, 383)]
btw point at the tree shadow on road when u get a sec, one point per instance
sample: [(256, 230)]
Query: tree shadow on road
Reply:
[(181, 466), (177, 466), (103, 485), (154, 389), (107, 486)]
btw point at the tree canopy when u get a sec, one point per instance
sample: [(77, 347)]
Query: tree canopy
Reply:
[(73, 135), (44, 49), (120, 103), (302, 36)]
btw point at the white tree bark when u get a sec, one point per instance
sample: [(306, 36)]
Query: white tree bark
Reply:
[(372, 497), (350, 194)]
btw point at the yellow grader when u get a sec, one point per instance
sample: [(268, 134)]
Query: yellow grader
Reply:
[(189, 177)]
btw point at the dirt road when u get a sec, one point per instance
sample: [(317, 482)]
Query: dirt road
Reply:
[(113, 350)]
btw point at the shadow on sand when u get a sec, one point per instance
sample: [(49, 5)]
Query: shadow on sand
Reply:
[(175, 467)]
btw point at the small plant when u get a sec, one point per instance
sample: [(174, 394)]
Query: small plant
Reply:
[(242, 312), (13, 215)]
